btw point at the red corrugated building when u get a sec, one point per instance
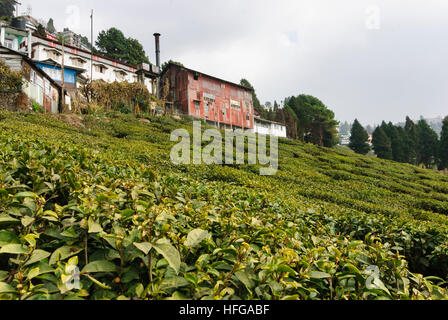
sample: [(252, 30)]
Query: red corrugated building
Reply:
[(222, 103)]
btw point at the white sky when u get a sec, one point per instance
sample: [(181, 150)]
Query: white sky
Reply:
[(372, 60)]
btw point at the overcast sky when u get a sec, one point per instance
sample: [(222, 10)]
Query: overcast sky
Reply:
[(371, 60)]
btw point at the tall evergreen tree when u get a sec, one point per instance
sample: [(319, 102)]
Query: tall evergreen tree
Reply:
[(412, 141), (381, 144), (255, 101), (428, 143), (398, 153), (404, 145), (50, 25), (359, 139), (443, 146)]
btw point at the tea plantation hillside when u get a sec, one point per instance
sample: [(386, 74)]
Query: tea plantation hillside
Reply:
[(99, 193)]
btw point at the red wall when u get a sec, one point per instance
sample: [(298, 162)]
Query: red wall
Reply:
[(184, 90)]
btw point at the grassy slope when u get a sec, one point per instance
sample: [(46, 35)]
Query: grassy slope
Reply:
[(320, 199)]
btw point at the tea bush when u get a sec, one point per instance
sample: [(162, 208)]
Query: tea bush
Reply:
[(106, 199)]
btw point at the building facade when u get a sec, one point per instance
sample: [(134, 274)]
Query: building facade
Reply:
[(15, 39), (73, 39), (219, 102), (271, 128), (38, 86), (79, 63)]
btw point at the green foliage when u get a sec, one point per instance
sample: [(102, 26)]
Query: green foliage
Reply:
[(359, 138), (50, 26), (138, 227), (427, 144), (257, 105), (414, 144), (10, 81), (121, 96), (7, 8), (316, 123), (41, 31), (411, 141), (443, 145), (37, 107), (115, 45)]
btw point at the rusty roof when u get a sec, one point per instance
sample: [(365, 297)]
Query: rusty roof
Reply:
[(207, 75)]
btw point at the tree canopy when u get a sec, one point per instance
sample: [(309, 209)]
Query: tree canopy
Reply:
[(359, 139), (443, 146), (115, 45), (427, 143), (7, 8), (50, 25), (381, 144), (316, 123)]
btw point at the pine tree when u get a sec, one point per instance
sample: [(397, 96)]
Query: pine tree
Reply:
[(50, 26), (359, 139), (405, 144), (412, 141), (397, 143), (428, 142), (443, 146), (381, 144)]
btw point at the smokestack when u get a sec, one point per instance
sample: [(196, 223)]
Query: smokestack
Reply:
[(157, 36)]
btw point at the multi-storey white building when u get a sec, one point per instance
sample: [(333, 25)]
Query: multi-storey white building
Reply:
[(80, 64)]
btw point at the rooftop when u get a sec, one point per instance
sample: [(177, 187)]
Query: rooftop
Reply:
[(170, 64)]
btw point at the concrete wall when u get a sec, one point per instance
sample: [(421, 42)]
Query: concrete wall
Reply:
[(269, 128)]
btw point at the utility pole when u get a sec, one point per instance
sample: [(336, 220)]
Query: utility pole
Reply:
[(91, 46), (63, 73)]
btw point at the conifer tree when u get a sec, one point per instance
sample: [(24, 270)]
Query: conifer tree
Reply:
[(443, 146), (428, 142), (359, 139), (412, 141), (381, 144)]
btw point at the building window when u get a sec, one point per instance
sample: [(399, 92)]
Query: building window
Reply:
[(76, 62), (197, 108), (53, 54), (223, 85), (224, 113), (100, 68), (9, 43), (206, 107), (196, 77), (120, 75)]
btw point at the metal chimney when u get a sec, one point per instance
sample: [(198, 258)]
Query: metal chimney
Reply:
[(157, 36)]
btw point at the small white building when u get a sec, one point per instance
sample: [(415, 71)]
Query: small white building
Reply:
[(267, 127)]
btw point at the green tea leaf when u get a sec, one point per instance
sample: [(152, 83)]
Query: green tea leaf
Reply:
[(14, 249), (145, 247), (170, 254), (195, 237), (100, 266)]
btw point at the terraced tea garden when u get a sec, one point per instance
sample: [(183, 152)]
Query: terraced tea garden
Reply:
[(100, 196)]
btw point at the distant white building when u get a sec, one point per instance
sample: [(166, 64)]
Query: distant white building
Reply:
[(266, 127)]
